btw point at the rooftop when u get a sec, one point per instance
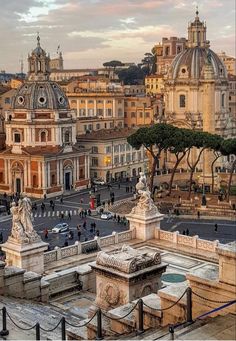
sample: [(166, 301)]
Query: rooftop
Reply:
[(107, 134)]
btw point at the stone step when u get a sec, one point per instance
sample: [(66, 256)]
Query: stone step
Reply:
[(26, 314)]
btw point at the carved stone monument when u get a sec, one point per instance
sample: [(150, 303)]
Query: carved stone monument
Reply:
[(24, 247), (126, 275), (144, 217)]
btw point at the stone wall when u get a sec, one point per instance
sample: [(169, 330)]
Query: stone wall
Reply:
[(79, 248), (16, 282)]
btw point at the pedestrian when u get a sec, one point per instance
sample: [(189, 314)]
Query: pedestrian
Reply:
[(118, 219), (131, 189), (94, 227), (187, 232), (61, 200), (53, 207), (184, 232), (198, 214), (84, 225), (69, 216), (85, 213), (46, 233), (79, 235), (66, 243), (89, 212), (216, 227), (1, 238), (62, 215), (51, 203), (45, 196), (81, 200), (97, 233), (118, 185)]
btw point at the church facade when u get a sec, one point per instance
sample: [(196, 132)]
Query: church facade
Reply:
[(41, 154)]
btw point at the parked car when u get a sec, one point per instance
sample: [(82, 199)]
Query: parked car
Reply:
[(59, 228), (106, 215), (98, 182)]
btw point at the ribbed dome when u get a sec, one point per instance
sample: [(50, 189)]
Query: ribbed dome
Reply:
[(189, 64), (40, 95)]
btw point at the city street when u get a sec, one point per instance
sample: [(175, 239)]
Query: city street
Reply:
[(204, 228)]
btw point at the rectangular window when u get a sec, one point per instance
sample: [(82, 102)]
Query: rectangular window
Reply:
[(147, 114), (90, 112), (108, 149), (116, 160), (100, 112), (116, 148), (98, 126), (182, 101), (128, 158), (109, 112), (94, 161), (17, 137), (133, 114), (90, 101), (125, 114), (139, 156), (132, 104), (94, 150), (109, 101), (140, 114), (122, 159), (120, 112), (122, 147), (133, 156), (81, 112), (7, 100), (111, 125), (82, 101)]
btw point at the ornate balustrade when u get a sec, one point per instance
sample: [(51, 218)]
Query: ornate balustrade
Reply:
[(50, 256), (69, 251), (125, 236), (108, 240), (207, 245), (166, 235)]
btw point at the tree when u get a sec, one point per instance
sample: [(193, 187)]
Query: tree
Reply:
[(131, 76), (155, 139), (179, 144), (229, 148), (216, 146), (113, 64), (148, 63)]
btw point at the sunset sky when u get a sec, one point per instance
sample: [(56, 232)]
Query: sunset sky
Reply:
[(91, 32)]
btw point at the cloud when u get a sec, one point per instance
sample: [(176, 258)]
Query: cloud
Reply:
[(93, 31)]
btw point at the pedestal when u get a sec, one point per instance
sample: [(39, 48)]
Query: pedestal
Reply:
[(145, 224), (25, 256)]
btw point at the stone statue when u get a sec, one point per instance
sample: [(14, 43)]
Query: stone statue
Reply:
[(145, 203), (25, 210), (17, 231), (22, 226)]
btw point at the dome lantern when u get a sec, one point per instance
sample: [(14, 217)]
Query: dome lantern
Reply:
[(38, 64), (197, 33)]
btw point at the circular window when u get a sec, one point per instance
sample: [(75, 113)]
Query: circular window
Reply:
[(20, 100), (54, 86), (42, 100), (183, 70), (26, 87), (40, 87), (61, 100)]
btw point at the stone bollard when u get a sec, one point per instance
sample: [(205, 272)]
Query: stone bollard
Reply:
[(79, 247), (195, 238), (175, 237), (98, 240), (58, 250), (115, 234)]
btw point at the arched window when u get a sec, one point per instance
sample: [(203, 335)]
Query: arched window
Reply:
[(35, 181), (43, 137), (182, 101), (223, 100), (167, 51)]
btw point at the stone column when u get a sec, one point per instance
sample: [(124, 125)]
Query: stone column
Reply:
[(39, 174), (58, 172), (29, 175), (48, 175)]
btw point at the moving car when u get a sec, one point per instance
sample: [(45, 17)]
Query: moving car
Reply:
[(106, 215), (59, 228), (98, 182)]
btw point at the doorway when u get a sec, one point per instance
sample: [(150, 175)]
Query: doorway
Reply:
[(67, 181), (18, 185)]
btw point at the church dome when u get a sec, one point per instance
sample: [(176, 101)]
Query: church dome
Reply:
[(34, 95), (191, 62)]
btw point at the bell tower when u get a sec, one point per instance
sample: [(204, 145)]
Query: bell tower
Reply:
[(38, 64)]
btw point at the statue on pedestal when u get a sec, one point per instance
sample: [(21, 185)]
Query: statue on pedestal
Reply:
[(22, 226), (145, 203)]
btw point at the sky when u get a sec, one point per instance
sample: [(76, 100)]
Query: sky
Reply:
[(91, 32)]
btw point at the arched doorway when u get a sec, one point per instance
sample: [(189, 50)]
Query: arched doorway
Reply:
[(18, 188), (17, 171)]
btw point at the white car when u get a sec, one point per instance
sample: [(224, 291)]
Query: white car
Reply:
[(98, 182), (106, 215), (59, 228)]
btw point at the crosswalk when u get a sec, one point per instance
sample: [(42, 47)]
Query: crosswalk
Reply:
[(52, 214)]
